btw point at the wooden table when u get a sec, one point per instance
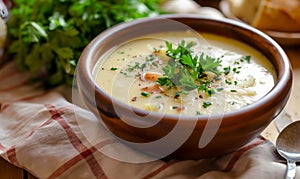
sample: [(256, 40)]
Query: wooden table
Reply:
[(8, 171)]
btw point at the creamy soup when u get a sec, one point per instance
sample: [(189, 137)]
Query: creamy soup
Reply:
[(180, 73)]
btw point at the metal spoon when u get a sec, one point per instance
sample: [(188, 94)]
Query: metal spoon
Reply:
[(288, 146)]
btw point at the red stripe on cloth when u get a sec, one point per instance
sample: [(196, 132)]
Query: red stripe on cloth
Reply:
[(79, 157), (85, 153), (2, 147), (12, 156), (3, 106), (103, 143), (66, 166), (160, 169), (240, 152), (44, 124)]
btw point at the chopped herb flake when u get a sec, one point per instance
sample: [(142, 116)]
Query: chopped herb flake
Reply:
[(247, 58), (206, 104), (228, 82), (235, 70), (232, 102), (220, 89), (145, 94), (210, 91), (226, 70)]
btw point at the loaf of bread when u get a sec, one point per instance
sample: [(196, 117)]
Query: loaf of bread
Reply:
[(276, 15)]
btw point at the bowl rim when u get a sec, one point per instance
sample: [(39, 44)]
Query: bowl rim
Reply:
[(284, 72)]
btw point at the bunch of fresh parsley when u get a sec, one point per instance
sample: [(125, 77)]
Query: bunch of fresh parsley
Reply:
[(187, 71), (46, 37)]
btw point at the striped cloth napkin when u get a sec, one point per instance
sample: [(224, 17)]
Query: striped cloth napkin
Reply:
[(44, 133)]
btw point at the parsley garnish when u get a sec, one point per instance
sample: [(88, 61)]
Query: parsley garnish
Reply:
[(235, 70), (226, 70), (247, 58), (187, 71), (206, 104), (220, 89), (228, 82), (145, 94)]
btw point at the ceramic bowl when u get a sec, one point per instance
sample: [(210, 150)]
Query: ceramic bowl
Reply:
[(195, 137)]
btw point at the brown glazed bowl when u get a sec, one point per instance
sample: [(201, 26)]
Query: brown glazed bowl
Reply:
[(184, 137)]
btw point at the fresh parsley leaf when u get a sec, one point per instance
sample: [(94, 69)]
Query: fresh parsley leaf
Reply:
[(165, 81), (32, 32), (209, 64), (186, 71)]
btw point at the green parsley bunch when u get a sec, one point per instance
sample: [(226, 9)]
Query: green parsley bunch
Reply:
[(46, 37)]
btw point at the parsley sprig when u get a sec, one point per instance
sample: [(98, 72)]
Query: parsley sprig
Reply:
[(187, 71)]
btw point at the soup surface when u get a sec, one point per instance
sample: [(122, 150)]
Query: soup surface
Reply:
[(184, 73)]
